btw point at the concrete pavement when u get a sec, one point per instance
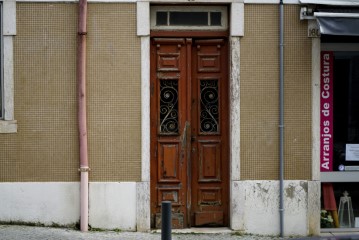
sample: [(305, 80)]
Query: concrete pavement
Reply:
[(20, 232)]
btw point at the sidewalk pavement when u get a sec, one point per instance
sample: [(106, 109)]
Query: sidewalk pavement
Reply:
[(22, 232), (19, 232)]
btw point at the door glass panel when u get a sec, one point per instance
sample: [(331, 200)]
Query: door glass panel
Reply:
[(216, 18), (189, 18), (168, 107), (209, 113), (161, 18)]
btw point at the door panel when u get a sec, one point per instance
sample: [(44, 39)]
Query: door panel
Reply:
[(168, 117), (168, 162), (209, 162), (209, 117), (189, 130)]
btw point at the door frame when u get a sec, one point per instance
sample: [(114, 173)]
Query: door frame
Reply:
[(143, 216)]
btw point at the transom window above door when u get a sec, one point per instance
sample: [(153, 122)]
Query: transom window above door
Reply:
[(189, 17)]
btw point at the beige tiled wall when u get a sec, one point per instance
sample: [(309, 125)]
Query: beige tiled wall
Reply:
[(46, 145), (260, 94), (114, 89)]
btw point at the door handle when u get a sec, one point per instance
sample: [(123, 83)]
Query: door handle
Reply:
[(184, 135), (184, 141)]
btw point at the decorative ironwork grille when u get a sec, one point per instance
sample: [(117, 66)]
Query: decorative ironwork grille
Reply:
[(169, 106), (209, 106)]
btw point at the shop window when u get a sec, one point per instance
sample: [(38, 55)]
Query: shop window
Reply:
[(339, 143), (340, 205), (346, 114)]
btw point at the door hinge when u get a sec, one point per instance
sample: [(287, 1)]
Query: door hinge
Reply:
[(156, 151), (151, 89)]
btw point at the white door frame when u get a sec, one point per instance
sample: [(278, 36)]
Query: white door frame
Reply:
[(143, 31)]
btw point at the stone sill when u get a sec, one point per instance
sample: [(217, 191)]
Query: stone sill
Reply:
[(8, 126)]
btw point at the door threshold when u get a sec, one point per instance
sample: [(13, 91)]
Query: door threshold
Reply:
[(198, 230), (339, 230)]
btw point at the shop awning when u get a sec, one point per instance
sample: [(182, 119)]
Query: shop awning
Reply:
[(332, 2), (338, 23), (336, 17)]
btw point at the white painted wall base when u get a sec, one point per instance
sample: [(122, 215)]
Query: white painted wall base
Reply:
[(126, 205), (256, 207), (113, 205), (45, 203)]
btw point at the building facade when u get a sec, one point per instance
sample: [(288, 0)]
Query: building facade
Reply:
[(183, 105)]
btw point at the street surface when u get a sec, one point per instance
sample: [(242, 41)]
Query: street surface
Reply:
[(14, 232)]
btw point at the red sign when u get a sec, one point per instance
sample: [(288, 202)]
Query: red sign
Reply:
[(326, 112)]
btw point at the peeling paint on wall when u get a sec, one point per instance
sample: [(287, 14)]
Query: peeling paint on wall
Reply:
[(261, 204)]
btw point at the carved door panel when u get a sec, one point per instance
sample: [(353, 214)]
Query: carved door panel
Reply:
[(209, 136), (189, 131)]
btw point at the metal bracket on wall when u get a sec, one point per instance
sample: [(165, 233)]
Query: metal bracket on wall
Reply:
[(84, 169)]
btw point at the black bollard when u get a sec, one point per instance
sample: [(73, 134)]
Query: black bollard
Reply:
[(166, 227)]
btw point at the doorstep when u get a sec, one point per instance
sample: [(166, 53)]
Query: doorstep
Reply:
[(326, 232), (198, 230)]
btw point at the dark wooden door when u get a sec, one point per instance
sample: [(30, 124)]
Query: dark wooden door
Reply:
[(189, 130)]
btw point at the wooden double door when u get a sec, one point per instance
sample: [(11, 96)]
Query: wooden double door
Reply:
[(189, 131)]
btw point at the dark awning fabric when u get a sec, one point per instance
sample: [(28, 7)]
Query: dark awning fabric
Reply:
[(341, 19), (338, 23)]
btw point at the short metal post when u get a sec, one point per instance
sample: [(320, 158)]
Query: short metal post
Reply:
[(166, 221)]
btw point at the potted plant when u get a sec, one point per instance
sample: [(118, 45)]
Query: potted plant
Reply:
[(326, 219)]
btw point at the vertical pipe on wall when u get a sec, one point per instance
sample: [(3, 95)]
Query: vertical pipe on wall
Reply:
[(281, 115), (1, 68), (82, 119)]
